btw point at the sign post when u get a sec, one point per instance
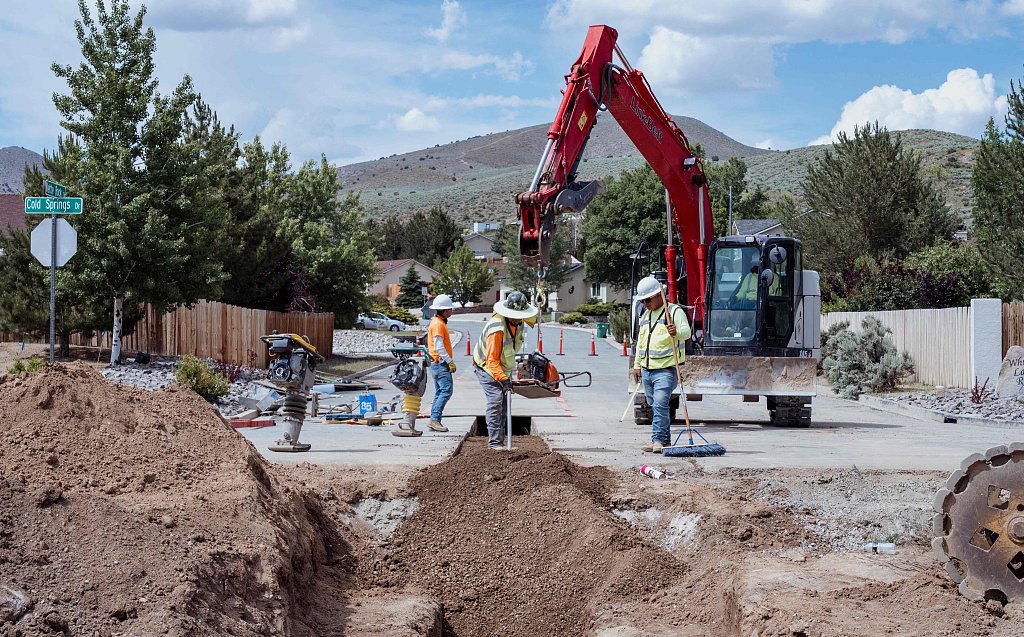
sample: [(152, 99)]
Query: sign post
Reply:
[(55, 202)]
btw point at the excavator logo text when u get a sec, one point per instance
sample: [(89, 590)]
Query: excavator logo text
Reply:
[(646, 119)]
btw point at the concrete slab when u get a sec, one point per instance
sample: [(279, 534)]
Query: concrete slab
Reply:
[(583, 424)]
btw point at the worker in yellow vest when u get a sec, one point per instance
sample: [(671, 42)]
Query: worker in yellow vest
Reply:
[(662, 329), (442, 363), (495, 357)]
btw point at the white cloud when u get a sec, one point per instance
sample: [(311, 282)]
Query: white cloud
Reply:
[(490, 101), (766, 144), (962, 104), (681, 63), (414, 121), (452, 18), (217, 15), (511, 68), (1013, 8)]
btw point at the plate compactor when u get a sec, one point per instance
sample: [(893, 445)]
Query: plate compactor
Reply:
[(292, 369)]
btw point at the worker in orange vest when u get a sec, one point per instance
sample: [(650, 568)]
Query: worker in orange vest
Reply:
[(442, 363)]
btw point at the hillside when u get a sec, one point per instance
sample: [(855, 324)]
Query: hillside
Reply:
[(12, 167), (477, 178), (947, 157)]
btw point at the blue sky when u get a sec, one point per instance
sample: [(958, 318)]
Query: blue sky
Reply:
[(358, 80)]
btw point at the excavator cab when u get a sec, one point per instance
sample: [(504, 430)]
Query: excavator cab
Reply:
[(759, 298)]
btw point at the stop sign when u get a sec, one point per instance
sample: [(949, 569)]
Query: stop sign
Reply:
[(67, 242)]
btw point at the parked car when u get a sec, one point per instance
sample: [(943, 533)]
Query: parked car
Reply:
[(377, 321)]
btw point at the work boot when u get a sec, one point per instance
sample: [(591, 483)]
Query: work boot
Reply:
[(656, 447), (648, 448), (435, 425)]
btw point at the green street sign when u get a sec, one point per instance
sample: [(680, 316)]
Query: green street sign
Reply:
[(53, 189), (53, 205)]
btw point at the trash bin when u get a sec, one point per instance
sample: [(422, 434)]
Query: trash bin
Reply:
[(602, 330)]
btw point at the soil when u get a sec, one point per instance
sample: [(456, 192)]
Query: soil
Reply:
[(132, 512)]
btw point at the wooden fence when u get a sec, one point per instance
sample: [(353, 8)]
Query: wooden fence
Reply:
[(216, 330), (1013, 325), (938, 340)]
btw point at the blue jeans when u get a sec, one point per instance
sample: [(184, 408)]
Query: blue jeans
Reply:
[(442, 389), (658, 387)]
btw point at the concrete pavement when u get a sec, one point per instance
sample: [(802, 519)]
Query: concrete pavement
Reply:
[(583, 424)]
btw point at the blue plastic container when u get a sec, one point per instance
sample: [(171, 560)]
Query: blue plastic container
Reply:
[(367, 403)]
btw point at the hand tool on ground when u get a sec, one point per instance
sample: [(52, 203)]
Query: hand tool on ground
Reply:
[(691, 449), (292, 370), (978, 525), (508, 421)]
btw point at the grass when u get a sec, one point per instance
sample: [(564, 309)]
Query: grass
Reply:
[(340, 366)]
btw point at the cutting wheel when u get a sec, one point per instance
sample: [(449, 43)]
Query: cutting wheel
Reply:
[(978, 526)]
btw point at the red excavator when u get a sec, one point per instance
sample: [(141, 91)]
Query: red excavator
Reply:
[(741, 346)]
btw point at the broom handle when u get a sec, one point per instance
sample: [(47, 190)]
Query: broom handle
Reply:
[(679, 372)]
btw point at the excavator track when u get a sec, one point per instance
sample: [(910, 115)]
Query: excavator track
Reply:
[(978, 526)]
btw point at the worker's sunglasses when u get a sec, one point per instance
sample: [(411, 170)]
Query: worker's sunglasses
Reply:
[(649, 299)]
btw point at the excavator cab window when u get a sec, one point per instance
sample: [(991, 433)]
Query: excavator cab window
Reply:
[(778, 316), (734, 288)]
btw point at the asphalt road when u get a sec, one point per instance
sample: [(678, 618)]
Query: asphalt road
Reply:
[(584, 424)]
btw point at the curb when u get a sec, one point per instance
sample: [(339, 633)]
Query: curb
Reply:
[(935, 415), (374, 369)]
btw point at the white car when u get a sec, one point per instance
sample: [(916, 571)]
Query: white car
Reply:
[(377, 321)]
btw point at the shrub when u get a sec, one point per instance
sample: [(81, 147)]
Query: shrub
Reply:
[(571, 318), (598, 309), (198, 376), (380, 304), (865, 361), (618, 322), (30, 365)]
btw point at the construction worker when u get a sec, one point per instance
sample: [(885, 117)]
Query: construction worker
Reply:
[(495, 356), (662, 329), (442, 364)]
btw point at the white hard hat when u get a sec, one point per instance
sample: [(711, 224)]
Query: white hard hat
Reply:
[(647, 287), (442, 302)]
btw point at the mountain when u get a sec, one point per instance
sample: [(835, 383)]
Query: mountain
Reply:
[(12, 167), (946, 157), (477, 178)]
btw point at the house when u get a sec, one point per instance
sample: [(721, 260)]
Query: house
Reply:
[(480, 227), (12, 213), (482, 246), (391, 272), (577, 290), (755, 227)]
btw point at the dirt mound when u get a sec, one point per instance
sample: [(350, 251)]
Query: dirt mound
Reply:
[(128, 511), (521, 543)]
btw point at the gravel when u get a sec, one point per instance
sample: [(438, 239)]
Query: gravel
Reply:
[(958, 402), (159, 373), (362, 342)]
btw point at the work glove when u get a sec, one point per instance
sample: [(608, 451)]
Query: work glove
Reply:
[(451, 366), (506, 386)]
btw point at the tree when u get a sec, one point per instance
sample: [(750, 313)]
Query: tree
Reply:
[(153, 219), (331, 247), (998, 180), (630, 210), (525, 278), (411, 286), (868, 197), (463, 277), (24, 287), (745, 205), (427, 237)]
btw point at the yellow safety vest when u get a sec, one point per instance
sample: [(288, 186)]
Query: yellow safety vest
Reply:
[(748, 287), (509, 346), (654, 343)]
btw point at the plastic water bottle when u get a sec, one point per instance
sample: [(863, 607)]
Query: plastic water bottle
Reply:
[(880, 547), (651, 472)]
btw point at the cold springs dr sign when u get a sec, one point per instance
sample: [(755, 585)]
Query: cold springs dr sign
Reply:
[(53, 205)]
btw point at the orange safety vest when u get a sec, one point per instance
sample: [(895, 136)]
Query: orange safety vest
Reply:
[(438, 327)]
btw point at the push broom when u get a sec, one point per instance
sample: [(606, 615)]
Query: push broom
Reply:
[(691, 449)]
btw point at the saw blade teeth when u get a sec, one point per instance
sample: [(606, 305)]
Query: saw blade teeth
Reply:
[(970, 460), (956, 478), (1001, 450), (939, 505), (939, 526), (1016, 446), (969, 592), (939, 549), (953, 572)]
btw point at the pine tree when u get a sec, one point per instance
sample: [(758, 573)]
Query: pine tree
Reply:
[(998, 179), (411, 289), (151, 223), (463, 277)]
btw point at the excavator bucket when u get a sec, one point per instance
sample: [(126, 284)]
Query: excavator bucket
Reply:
[(750, 375)]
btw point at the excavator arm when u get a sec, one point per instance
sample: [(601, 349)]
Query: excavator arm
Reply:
[(596, 83)]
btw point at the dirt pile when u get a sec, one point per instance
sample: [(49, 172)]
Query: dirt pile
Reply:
[(136, 512), (521, 544)]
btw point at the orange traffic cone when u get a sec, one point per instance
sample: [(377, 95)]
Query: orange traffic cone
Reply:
[(468, 337), (593, 343), (560, 353)]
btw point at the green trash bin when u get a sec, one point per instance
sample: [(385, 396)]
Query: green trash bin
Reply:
[(602, 330)]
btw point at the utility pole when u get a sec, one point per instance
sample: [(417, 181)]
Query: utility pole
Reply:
[(728, 230)]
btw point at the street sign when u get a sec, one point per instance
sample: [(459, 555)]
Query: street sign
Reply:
[(53, 189), (53, 205), (67, 242)]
